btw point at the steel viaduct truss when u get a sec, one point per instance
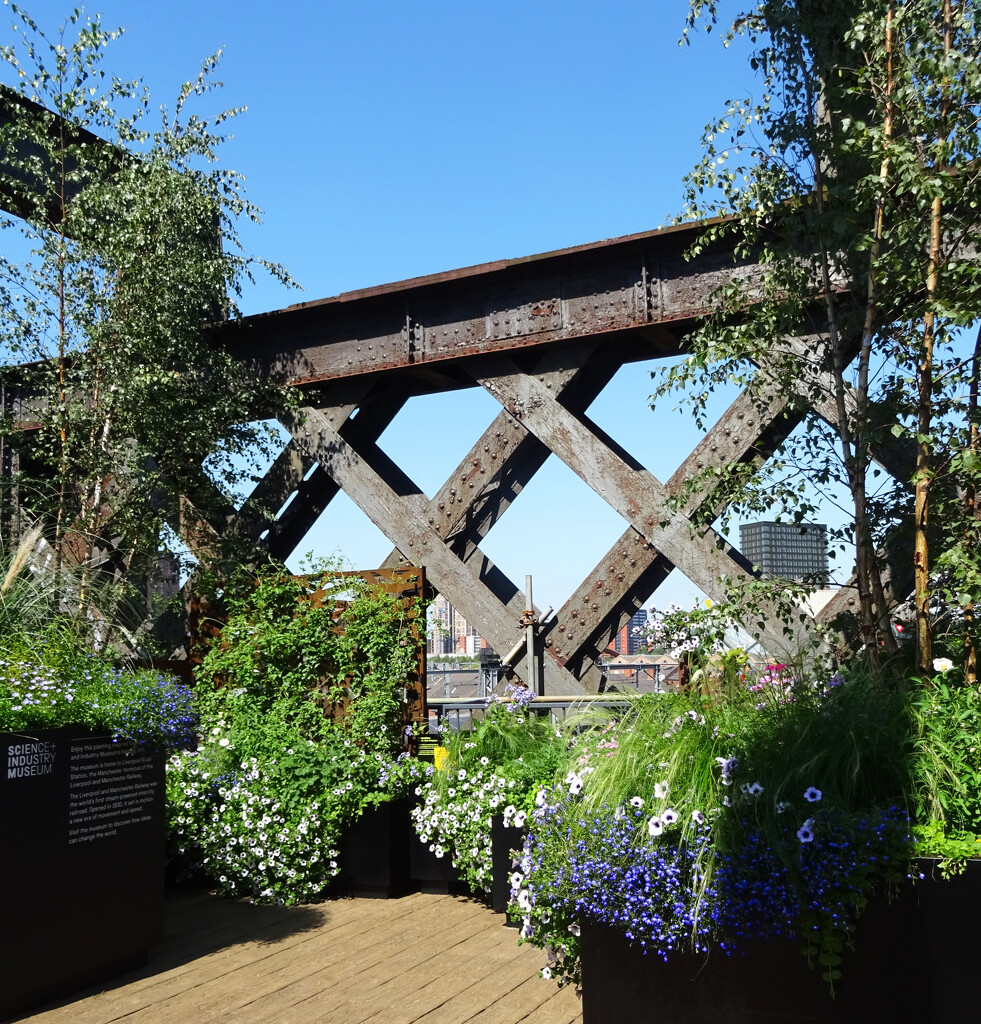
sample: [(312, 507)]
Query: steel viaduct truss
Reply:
[(543, 336)]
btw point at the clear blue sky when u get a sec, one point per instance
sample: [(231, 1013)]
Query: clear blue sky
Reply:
[(385, 140)]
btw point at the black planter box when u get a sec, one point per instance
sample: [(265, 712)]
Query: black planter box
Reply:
[(375, 853), (432, 874), (914, 960), (82, 861)]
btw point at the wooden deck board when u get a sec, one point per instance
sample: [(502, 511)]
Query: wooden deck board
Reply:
[(423, 959)]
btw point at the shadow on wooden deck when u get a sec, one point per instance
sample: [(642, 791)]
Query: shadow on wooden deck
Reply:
[(422, 959)]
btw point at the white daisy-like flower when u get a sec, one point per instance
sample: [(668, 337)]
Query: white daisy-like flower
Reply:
[(636, 801)]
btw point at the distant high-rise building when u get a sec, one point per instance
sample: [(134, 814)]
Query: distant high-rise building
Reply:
[(449, 632), (631, 636), (787, 550)]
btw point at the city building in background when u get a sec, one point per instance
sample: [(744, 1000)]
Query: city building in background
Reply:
[(631, 637), (790, 551), (449, 632)]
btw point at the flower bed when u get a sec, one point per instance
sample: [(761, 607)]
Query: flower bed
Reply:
[(910, 962), (698, 826)]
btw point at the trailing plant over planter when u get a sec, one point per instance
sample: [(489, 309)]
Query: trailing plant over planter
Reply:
[(693, 823), (54, 671), (302, 695), (497, 767)]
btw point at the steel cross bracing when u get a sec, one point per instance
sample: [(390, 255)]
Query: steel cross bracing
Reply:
[(543, 336)]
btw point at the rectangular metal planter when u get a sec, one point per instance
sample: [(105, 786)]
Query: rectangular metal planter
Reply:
[(82, 861), (914, 960), (375, 853), (433, 874)]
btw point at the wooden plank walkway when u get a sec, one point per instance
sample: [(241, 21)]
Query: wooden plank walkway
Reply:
[(422, 959)]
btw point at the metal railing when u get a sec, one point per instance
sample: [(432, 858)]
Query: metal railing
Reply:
[(456, 713)]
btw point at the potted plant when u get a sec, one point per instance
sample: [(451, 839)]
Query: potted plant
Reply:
[(720, 836), (83, 745), (302, 694), (485, 784)]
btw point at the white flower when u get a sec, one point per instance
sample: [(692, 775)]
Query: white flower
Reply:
[(524, 900), (223, 742), (520, 818), (698, 817), (655, 827), (540, 798), (805, 833), (812, 795), (661, 790), (669, 817), (636, 801), (574, 928), (575, 786), (942, 664), (547, 973)]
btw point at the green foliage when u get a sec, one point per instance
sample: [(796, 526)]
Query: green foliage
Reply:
[(129, 251), (687, 820), (498, 766), (55, 671), (302, 696), (861, 142)]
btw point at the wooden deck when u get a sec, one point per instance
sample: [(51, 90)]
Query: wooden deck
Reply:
[(423, 959)]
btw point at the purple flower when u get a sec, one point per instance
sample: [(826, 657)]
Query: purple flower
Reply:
[(812, 795)]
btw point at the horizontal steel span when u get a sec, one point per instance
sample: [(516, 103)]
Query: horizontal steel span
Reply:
[(640, 290)]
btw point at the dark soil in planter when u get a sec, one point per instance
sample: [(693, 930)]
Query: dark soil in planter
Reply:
[(914, 960)]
